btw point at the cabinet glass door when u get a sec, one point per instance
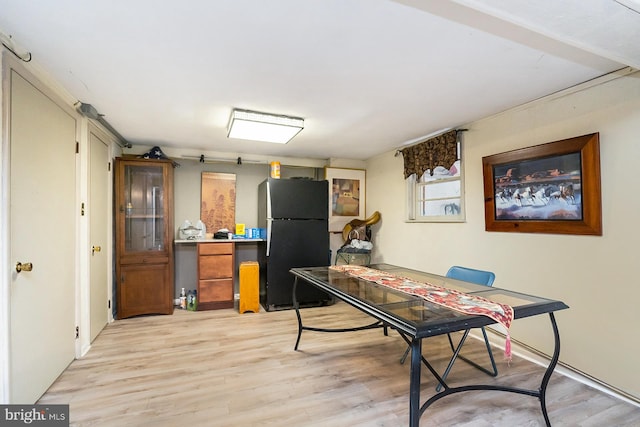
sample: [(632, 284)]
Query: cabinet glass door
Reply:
[(144, 214)]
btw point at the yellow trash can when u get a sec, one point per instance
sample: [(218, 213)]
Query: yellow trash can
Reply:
[(249, 287)]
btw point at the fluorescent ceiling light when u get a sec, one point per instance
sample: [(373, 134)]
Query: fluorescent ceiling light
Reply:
[(263, 127)]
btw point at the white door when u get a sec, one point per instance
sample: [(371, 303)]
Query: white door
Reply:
[(43, 233), (98, 233)]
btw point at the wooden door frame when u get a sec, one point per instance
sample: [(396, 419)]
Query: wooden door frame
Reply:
[(5, 278)]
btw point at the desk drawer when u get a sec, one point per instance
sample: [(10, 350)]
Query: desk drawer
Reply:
[(215, 267), (215, 248), (215, 291)]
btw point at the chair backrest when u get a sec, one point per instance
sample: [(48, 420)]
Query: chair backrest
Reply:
[(479, 277)]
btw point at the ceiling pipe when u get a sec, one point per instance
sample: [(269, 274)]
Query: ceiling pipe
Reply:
[(89, 111)]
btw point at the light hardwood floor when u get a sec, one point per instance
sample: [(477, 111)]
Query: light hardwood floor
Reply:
[(221, 368)]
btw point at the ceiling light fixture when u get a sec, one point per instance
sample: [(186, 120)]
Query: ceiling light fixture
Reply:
[(263, 127)]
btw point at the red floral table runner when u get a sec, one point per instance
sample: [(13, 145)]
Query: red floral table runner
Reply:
[(450, 298)]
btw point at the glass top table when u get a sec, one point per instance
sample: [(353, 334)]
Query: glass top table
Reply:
[(414, 318)]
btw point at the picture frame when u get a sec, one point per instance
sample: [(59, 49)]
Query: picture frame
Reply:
[(549, 188), (347, 191), (218, 201)]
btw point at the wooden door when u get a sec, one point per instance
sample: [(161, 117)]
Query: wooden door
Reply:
[(98, 234), (42, 232)]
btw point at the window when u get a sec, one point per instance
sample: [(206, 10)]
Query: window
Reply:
[(433, 172), (438, 197)]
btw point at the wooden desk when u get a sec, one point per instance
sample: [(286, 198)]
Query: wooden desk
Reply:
[(415, 319), (215, 275), (216, 266)]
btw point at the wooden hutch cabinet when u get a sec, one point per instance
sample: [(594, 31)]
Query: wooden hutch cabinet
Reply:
[(144, 236)]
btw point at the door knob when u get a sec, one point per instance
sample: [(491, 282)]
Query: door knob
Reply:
[(27, 266), (95, 249)]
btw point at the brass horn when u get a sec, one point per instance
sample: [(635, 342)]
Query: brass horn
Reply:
[(374, 218)]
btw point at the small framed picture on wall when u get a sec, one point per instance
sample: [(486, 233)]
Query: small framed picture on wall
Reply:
[(347, 189)]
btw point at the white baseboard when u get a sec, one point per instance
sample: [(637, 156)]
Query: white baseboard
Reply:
[(497, 340)]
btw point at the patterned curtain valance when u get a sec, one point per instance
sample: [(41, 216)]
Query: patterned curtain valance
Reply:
[(439, 151)]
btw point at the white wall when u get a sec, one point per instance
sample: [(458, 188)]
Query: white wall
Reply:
[(595, 275)]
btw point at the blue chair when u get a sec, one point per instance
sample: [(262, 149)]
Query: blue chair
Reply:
[(479, 277)]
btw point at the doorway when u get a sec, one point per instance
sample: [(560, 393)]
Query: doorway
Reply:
[(42, 236), (99, 237)]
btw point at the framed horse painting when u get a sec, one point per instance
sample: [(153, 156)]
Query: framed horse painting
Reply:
[(548, 188)]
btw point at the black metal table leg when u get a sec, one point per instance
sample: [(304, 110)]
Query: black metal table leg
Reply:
[(301, 327), (297, 308), (550, 369), (414, 382), (540, 393)]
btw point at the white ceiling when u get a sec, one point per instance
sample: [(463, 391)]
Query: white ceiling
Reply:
[(366, 75)]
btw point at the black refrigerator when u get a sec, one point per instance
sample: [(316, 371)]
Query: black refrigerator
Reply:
[(295, 215)]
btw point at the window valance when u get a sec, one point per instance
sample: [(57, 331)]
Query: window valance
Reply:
[(441, 150)]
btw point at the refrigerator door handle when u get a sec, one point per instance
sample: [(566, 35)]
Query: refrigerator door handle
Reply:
[(269, 223), (269, 201)]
